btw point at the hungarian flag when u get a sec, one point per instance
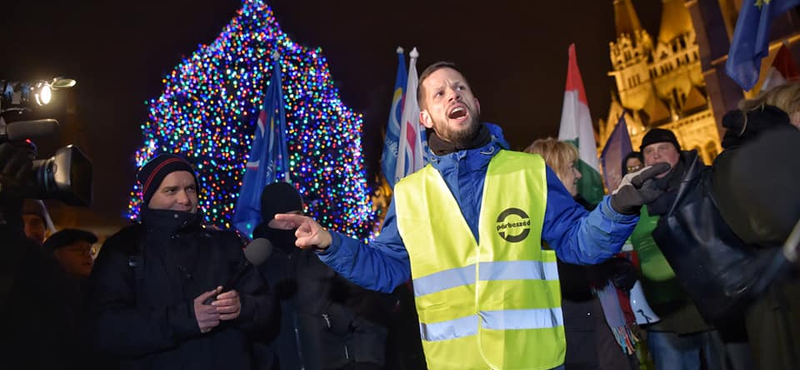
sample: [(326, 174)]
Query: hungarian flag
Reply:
[(576, 128), (782, 69)]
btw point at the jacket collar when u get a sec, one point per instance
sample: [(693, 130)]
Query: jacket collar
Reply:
[(168, 221), (479, 156)]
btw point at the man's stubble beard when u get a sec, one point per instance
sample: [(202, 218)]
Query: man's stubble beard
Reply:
[(459, 137)]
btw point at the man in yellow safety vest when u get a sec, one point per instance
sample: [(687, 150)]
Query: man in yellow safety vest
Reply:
[(468, 228)]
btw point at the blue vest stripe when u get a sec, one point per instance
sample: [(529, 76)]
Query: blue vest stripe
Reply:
[(522, 319), (444, 280), (452, 329), (518, 270)]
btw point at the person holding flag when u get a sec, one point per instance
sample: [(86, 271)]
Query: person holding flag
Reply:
[(468, 227)]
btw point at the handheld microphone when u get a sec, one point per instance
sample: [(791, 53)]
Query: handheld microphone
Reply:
[(255, 253)]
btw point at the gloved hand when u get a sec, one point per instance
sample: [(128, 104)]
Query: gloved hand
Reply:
[(637, 189), (16, 159)]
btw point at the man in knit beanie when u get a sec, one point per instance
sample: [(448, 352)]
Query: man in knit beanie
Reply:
[(182, 293), (661, 145), (168, 182), (682, 332)]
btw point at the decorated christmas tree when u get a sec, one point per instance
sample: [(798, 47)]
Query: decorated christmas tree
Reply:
[(208, 110)]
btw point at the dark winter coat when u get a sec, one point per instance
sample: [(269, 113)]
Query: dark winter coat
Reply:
[(37, 332), (335, 322), (667, 297), (755, 184), (143, 286)]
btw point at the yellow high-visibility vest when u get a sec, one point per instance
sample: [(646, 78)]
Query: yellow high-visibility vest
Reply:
[(493, 304)]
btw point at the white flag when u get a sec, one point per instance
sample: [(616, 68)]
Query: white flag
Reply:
[(410, 156)]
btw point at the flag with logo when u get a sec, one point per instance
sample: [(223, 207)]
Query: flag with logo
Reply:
[(392, 139), (750, 41), (616, 148), (268, 161), (782, 70), (576, 128), (410, 157)]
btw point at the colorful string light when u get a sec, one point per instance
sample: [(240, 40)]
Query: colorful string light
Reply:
[(207, 113)]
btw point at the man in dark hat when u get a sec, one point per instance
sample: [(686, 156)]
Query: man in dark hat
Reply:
[(152, 280), (661, 145), (682, 336), (72, 248)]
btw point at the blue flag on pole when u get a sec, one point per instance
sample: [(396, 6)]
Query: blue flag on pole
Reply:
[(268, 161), (391, 142), (751, 39), (617, 147)]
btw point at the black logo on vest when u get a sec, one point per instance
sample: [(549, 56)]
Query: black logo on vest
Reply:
[(513, 225)]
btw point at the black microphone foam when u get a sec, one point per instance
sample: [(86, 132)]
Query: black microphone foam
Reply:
[(258, 251)]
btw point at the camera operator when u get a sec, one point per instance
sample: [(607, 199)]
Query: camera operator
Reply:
[(35, 327)]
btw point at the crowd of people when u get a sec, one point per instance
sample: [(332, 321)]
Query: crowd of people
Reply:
[(488, 258)]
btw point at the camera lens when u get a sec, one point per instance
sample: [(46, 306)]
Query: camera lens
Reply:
[(44, 178)]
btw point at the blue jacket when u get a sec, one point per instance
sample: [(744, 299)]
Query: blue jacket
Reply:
[(577, 236)]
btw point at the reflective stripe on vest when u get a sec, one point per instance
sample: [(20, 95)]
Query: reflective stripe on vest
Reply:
[(503, 270), (499, 320), (493, 304)]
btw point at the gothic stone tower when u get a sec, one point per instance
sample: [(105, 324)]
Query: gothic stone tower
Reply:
[(660, 84)]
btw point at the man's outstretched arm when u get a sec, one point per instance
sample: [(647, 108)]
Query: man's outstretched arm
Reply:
[(590, 239), (381, 265)]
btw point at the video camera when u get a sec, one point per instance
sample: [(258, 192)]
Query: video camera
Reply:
[(66, 176)]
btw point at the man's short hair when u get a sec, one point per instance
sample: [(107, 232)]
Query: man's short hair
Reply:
[(427, 72)]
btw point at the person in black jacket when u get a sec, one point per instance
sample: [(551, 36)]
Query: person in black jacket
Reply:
[(327, 322), (156, 299), (755, 185), (36, 329)]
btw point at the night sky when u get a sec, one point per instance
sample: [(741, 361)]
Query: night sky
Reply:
[(514, 54)]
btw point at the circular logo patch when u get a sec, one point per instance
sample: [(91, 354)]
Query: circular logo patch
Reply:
[(513, 225)]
